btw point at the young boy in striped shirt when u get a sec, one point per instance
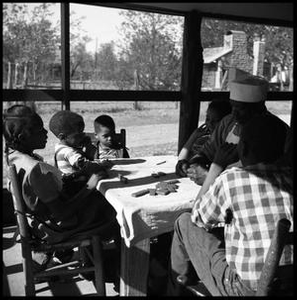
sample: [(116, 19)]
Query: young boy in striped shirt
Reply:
[(74, 152)]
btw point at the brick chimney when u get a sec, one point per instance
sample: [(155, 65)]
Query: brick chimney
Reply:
[(259, 54), (237, 42)]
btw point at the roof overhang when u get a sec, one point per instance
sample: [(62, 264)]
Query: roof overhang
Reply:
[(277, 11)]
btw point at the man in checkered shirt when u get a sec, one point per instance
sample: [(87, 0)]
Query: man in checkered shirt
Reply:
[(248, 201)]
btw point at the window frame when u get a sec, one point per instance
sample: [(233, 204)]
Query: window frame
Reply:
[(187, 96)]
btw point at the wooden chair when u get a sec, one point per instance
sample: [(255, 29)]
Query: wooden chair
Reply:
[(274, 280), (55, 241)]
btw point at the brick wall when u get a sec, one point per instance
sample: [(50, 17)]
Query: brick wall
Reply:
[(239, 57)]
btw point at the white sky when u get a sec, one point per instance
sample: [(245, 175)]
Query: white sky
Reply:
[(99, 22)]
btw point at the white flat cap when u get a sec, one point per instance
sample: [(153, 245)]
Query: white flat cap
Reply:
[(250, 89)]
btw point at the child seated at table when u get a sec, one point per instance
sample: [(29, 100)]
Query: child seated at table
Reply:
[(216, 111), (42, 185), (74, 152), (107, 146)]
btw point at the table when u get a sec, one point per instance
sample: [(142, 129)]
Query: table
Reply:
[(142, 218)]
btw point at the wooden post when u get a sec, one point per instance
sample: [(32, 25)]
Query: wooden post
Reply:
[(191, 77), (65, 55)]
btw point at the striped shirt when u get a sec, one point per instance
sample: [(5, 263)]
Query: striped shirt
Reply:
[(258, 196), (68, 159), (116, 151), (107, 153)]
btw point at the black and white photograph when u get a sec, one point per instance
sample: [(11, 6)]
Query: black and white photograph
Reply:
[(147, 149)]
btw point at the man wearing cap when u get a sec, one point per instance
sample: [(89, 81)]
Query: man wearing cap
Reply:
[(246, 202), (247, 98)]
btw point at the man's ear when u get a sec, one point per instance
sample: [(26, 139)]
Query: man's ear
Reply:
[(22, 136), (61, 136)]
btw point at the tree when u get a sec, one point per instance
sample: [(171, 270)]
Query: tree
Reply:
[(151, 47), (28, 41), (80, 59), (106, 62)]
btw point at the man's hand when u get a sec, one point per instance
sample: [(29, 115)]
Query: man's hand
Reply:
[(181, 168), (93, 180), (197, 173), (226, 155)]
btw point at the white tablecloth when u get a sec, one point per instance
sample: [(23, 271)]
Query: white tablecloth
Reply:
[(146, 216)]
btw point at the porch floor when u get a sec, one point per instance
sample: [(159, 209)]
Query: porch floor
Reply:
[(13, 277)]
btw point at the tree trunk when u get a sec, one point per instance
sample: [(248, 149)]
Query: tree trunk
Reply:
[(34, 73), (25, 76), (136, 87), (16, 74), (9, 76)]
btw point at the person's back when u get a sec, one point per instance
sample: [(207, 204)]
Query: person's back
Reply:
[(256, 196), (247, 201), (107, 147), (260, 194)]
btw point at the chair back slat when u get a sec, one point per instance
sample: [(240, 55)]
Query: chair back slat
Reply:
[(272, 260), (123, 137), (18, 202)]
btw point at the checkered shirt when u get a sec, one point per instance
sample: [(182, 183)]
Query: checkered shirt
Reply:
[(258, 197)]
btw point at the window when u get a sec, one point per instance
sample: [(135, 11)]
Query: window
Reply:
[(124, 50), (151, 127), (234, 48), (31, 46), (117, 49), (231, 49)]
